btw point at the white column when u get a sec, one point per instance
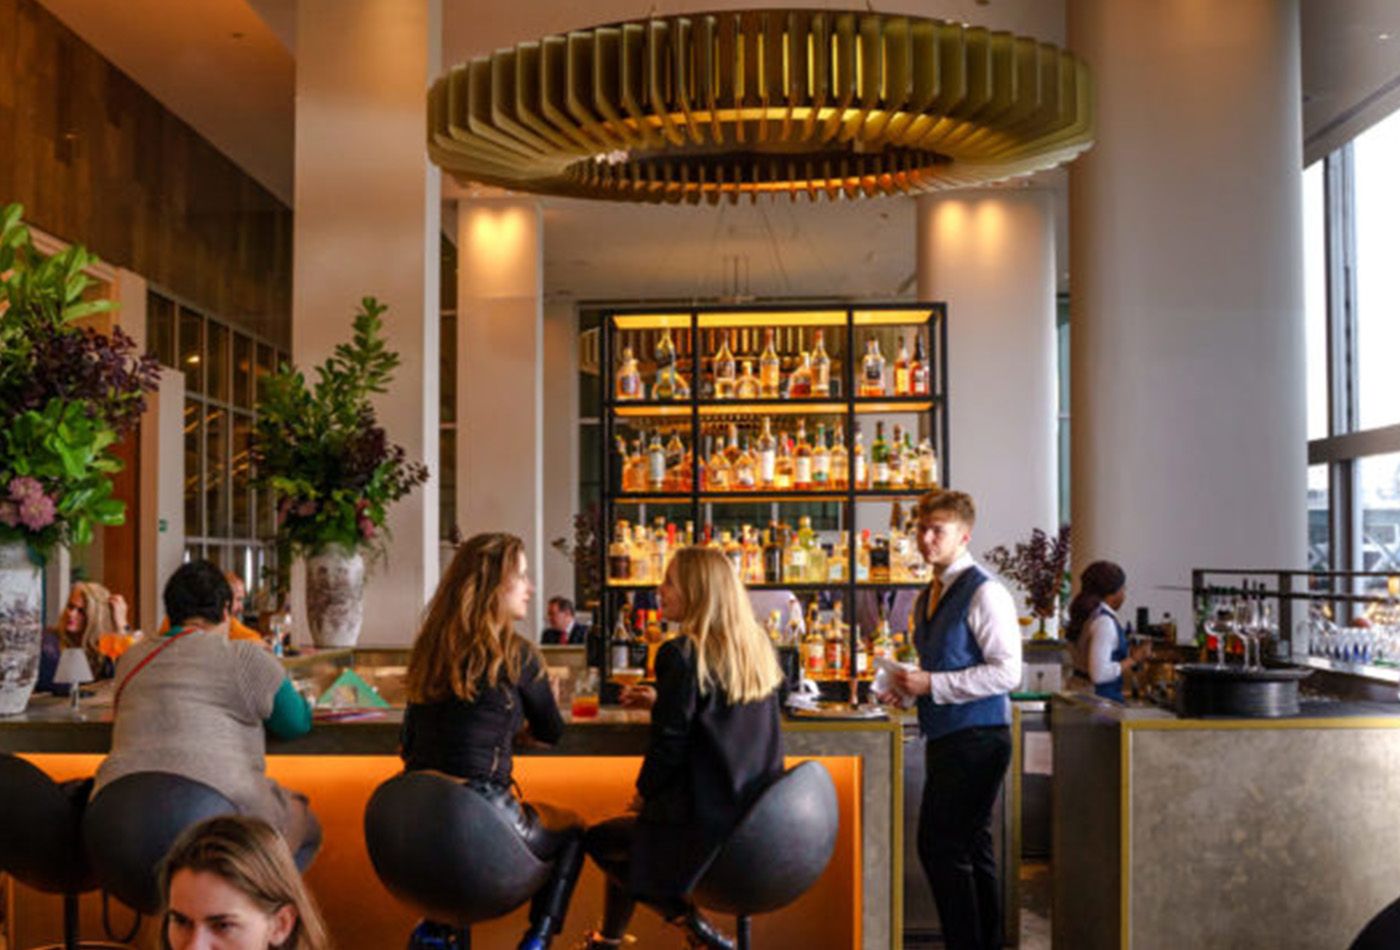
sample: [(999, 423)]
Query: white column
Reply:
[(561, 443), (1187, 398), (366, 223), (990, 255), (500, 390)]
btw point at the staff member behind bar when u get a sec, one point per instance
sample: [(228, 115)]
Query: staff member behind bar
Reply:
[(1101, 651), (969, 645), (715, 745), (197, 704), (472, 683)]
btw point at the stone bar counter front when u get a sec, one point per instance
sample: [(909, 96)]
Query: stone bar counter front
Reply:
[(856, 904), (1221, 833)]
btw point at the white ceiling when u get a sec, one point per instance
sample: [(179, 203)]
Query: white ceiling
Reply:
[(1351, 69)]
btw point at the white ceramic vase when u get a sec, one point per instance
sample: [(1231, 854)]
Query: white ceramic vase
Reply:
[(335, 596), (21, 630)]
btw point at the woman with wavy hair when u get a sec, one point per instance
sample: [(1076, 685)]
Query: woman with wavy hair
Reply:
[(473, 683), (715, 745), (229, 882)]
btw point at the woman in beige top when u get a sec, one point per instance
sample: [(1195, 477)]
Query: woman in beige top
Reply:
[(195, 703)]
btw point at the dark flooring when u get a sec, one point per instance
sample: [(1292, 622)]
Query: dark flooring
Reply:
[(1035, 910)]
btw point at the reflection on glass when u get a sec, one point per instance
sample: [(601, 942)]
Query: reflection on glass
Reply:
[(216, 471), (447, 483), (1377, 154), (217, 355), (1315, 297), (242, 371), (194, 495), (242, 465), (267, 365), (1319, 521), (160, 328), (193, 552), (192, 350), (1378, 481)]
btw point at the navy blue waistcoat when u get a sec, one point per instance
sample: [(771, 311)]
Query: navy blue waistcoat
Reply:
[(945, 644)]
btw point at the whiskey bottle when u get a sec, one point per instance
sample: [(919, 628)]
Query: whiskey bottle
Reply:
[(901, 370), (629, 379), (767, 455), (619, 560), (800, 383), (880, 458), (717, 470), (821, 367), (732, 450), (656, 464), (784, 471), (836, 649), (744, 471), (747, 386), (872, 370), (918, 368), (895, 458), (821, 461), (677, 478), (861, 474), (802, 460), (725, 376), (840, 461), (928, 465), (770, 368), (772, 554)]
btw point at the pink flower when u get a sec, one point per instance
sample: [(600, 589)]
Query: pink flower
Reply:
[(24, 488), (28, 505), (37, 513), (366, 528), (9, 513)]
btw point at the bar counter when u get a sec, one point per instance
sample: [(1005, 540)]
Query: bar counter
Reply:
[(857, 903), (1221, 833)]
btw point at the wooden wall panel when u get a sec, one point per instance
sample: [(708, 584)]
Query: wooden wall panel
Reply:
[(95, 159)]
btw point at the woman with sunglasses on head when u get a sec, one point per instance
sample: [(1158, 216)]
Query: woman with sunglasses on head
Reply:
[(715, 746), (473, 684)]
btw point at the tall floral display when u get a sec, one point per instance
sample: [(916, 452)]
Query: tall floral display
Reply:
[(1039, 567), (67, 395), (320, 449)]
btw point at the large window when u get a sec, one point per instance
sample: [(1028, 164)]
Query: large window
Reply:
[(1351, 214), (227, 520)]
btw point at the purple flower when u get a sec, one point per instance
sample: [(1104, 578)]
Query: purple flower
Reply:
[(28, 505), (37, 514)]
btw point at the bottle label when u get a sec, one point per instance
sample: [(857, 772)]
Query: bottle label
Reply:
[(882, 472), (657, 468), (745, 477), (803, 473), (918, 381), (874, 374), (629, 384), (797, 558), (767, 459), (860, 469), (821, 468), (821, 378)]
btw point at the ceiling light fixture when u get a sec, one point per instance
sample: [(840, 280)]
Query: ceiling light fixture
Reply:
[(711, 106)]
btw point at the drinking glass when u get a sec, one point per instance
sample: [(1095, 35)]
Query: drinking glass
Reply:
[(585, 704)]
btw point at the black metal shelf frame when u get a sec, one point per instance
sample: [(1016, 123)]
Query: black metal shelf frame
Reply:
[(849, 406)]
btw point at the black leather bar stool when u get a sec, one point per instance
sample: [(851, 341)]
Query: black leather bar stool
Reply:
[(445, 851), (41, 842), (779, 849), (131, 824), (1383, 931)]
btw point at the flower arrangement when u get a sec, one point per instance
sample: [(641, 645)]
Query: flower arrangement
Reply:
[(1038, 567), (67, 395), (321, 450)]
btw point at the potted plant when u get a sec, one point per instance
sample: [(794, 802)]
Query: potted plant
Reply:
[(67, 395), (320, 449), (1038, 567)]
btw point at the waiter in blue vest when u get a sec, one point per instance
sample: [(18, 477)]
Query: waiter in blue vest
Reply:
[(969, 646)]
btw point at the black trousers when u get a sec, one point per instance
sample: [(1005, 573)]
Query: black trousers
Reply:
[(609, 844), (552, 834), (962, 774)]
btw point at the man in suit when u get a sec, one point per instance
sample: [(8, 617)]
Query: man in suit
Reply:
[(562, 628)]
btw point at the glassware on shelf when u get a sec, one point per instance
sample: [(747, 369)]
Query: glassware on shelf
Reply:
[(872, 370)]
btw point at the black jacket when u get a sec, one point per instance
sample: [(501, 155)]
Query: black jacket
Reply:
[(707, 760), (473, 740), (551, 637)]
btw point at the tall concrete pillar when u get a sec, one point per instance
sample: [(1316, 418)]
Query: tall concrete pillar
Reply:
[(990, 255), (366, 223), (1187, 395), (500, 382)]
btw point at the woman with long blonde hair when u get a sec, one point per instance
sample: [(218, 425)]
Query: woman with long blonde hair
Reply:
[(230, 882), (715, 745), (473, 683)]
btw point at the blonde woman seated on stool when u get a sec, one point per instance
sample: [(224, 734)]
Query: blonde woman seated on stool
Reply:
[(197, 704), (715, 745)]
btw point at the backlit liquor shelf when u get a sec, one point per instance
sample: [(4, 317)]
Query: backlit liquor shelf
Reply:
[(795, 441)]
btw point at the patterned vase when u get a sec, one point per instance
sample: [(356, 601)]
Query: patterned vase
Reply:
[(335, 596), (21, 630)]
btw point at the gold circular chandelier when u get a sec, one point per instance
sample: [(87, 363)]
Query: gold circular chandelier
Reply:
[(707, 106)]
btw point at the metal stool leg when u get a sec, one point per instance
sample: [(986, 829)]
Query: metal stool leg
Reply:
[(742, 928)]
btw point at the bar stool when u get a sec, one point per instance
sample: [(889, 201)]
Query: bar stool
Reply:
[(778, 850), (449, 854), (1383, 932), (131, 824), (41, 841)]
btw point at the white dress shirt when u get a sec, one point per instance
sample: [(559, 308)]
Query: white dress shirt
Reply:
[(1101, 636), (991, 617)]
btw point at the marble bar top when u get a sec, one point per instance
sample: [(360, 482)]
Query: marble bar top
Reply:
[(1313, 713), (48, 726)]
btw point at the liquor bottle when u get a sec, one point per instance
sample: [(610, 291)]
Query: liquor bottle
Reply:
[(619, 561), (880, 458), (872, 370), (821, 460), (800, 383), (901, 370), (862, 472), (895, 460), (904, 651), (783, 469), (676, 479), (928, 465), (639, 553), (625, 472), (732, 450), (665, 350), (863, 558), (795, 558), (689, 534), (772, 555), (774, 628), (814, 655), (910, 458), (837, 558), (883, 641), (836, 649), (725, 376), (753, 557), (717, 470), (918, 368), (656, 463), (821, 367), (743, 471), (629, 379), (621, 642), (747, 385), (767, 454), (770, 368), (802, 475), (733, 552), (840, 460)]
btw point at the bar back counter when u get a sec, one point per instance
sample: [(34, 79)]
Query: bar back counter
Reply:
[(1222, 833), (856, 904)]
